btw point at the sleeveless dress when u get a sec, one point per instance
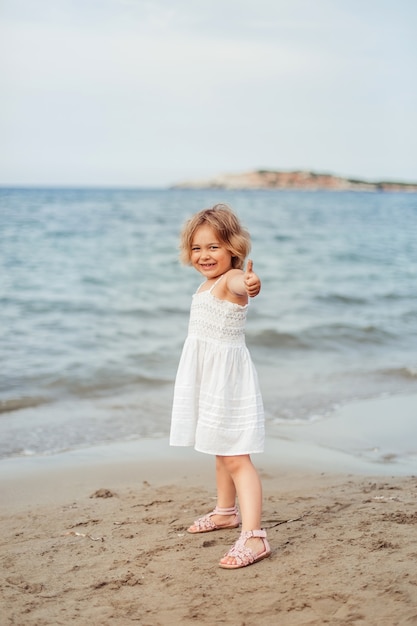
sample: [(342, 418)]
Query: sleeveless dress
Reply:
[(217, 406)]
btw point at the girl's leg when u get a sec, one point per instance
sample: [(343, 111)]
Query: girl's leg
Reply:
[(248, 487), (226, 490), (245, 478), (226, 495)]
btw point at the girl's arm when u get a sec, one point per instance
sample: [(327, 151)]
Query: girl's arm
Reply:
[(245, 283)]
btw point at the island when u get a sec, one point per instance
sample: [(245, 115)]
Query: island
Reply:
[(298, 179)]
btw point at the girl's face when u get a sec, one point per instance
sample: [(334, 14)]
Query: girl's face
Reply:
[(209, 255)]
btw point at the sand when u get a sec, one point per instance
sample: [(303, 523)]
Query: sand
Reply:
[(100, 539)]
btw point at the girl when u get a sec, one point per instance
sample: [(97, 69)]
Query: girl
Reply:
[(217, 404)]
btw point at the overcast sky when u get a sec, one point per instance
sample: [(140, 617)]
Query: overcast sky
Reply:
[(150, 92)]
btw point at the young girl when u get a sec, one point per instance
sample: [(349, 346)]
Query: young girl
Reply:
[(217, 404)]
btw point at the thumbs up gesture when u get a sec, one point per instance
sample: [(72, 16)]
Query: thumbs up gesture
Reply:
[(251, 280)]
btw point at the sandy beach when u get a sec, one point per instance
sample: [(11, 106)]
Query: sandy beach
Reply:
[(98, 537)]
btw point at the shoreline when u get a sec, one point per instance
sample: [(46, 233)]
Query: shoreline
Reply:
[(38, 480), (367, 437)]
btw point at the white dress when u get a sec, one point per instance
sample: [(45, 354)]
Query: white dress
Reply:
[(217, 406)]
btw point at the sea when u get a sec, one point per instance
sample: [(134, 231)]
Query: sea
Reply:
[(94, 307)]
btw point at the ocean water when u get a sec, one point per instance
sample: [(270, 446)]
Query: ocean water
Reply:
[(94, 307)]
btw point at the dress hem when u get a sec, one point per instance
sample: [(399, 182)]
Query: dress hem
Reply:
[(190, 445)]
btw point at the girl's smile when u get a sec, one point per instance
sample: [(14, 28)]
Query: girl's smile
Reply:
[(209, 256)]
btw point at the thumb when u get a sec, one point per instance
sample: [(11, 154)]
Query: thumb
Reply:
[(249, 266)]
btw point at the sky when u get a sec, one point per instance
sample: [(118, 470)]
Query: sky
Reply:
[(147, 93)]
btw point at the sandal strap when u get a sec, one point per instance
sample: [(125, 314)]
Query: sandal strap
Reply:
[(242, 554), (206, 523), (219, 511), (261, 532)]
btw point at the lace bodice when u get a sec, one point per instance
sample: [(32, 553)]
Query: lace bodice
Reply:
[(213, 319)]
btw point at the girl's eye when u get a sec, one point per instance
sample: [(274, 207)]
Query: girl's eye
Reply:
[(214, 247)]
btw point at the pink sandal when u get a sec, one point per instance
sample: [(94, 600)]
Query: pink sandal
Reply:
[(205, 524), (245, 556)]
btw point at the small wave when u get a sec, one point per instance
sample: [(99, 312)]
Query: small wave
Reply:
[(408, 373), (393, 295), (330, 336), (106, 385), (348, 334), (275, 339), (338, 298), (28, 452), (16, 404)]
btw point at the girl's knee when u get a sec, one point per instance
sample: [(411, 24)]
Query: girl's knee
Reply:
[(233, 463)]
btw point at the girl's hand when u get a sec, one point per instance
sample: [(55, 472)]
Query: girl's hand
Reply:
[(251, 280)]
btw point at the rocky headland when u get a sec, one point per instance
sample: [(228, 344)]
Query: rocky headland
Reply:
[(300, 179)]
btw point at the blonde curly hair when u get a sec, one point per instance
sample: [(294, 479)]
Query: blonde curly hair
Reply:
[(228, 228)]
